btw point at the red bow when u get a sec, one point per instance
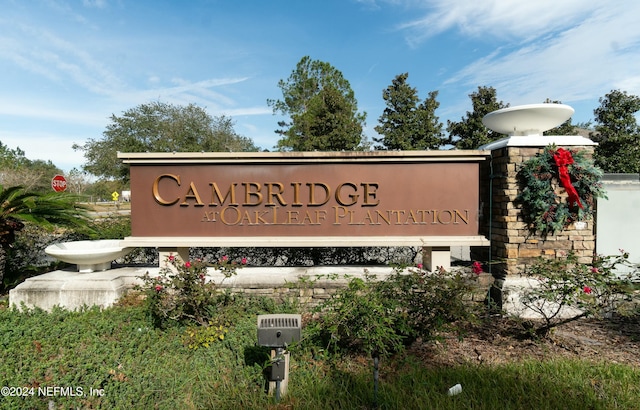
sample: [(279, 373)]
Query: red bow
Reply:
[(562, 158)]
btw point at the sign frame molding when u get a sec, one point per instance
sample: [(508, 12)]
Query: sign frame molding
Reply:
[(271, 158)]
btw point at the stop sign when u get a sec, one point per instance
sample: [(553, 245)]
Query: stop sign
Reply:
[(59, 183)]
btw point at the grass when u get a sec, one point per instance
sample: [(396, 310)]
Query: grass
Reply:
[(107, 206), (139, 367)]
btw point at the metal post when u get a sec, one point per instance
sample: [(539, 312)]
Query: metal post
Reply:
[(279, 356), (376, 375)]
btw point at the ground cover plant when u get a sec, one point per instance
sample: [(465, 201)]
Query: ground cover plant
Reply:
[(120, 361), (181, 342)]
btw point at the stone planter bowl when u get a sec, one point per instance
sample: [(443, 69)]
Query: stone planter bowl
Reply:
[(89, 256)]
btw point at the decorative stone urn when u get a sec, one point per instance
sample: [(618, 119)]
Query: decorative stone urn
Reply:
[(89, 256)]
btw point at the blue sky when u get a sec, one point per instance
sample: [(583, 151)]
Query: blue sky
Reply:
[(67, 66)]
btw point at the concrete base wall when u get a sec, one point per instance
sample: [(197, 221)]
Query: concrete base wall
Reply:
[(73, 290), (514, 287), (617, 221)]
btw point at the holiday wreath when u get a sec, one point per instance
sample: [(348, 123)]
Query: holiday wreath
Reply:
[(543, 179)]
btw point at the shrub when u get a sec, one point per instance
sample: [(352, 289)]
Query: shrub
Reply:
[(596, 289), (315, 256), (432, 301), (182, 293), (113, 226), (358, 318), (26, 257), (381, 317)]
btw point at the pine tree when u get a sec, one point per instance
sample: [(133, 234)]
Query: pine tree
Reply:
[(470, 132), (322, 108), (405, 124)]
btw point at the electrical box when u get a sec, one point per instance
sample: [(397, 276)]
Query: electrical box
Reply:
[(279, 330), (277, 370)]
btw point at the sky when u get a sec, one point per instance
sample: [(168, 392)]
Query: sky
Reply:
[(67, 66)]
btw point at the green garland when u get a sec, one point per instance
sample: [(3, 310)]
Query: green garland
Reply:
[(543, 209)]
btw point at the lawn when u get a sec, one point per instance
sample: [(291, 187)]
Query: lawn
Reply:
[(114, 359)]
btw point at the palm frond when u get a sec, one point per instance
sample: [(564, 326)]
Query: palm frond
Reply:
[(47, 210)]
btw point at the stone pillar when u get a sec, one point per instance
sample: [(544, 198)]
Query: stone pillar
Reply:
[(434, 257), (179, 252), (513, 244)]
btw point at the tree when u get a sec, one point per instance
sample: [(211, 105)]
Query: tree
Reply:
[(322, 108), (617, 133), (566, 128), (77, 181), (470, 133), (159, 127), (325, 118), (11, 157), (17, 169), (18, 207), (102, 189), (404, 124)]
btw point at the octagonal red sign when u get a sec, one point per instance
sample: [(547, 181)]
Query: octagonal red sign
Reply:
[(59, 183)]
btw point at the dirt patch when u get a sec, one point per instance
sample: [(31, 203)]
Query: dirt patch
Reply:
[(498, 340)]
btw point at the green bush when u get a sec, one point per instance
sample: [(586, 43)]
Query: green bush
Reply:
[(196, 337), (26, 256), (431, 301), (596, 289), (379, 317), (112, 227), (182, 293), (359, 318)]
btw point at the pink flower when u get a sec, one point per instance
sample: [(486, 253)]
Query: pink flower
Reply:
[(225, 258), (587, 290), (594, 270), (419, 266), (187, 265), (172, 258), (476, 267), (244, 261), (158, 288)]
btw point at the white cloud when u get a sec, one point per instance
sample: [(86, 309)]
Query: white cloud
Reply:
[(583, 61), (46, 54), (45, 146), (498, 18), (68, 12), (183, 92), (247, 111), (99, 4), (49, 111)]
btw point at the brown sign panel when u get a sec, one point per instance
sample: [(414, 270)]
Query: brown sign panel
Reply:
[(304, 194)]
